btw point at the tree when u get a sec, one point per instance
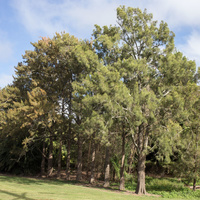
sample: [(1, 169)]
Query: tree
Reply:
[(16, 127), (143, 53), (53, 66), (187, 163), (10, 130), (105, 100)]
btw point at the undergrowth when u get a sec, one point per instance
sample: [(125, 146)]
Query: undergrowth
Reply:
[(166, 187)]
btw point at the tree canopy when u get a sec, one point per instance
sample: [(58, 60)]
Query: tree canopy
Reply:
[(116, 101)]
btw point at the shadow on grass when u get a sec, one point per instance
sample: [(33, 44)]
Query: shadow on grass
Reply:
[(18, 180), (17, 196)]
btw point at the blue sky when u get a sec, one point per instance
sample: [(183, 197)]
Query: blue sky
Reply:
[(25, 21)]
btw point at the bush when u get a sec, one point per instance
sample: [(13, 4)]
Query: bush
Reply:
[(166, 187)]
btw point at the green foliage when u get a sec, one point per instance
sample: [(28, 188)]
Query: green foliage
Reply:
[(141, 34), (115, 164), (166, 187), (128, 81), (187, 163)]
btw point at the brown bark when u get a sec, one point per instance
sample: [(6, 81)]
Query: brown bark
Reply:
[(50, 158), (194, 184), (142, 150), (68, 151), (79, 160), (88, 159), (195, 166), (98, 164), (107, 168), (131, 159), (122, 179), (92, 179), (43, 159), (59, 158), (141, 188), (69, 138), (68, 157)]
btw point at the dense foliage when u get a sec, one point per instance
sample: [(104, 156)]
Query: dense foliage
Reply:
[(108, 106)]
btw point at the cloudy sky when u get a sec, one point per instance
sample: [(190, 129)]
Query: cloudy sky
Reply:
[(25, 21)]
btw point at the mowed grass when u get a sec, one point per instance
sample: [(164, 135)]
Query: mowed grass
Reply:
[(20, 188)]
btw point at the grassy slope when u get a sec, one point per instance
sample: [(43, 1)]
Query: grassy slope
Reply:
[(34, 189)]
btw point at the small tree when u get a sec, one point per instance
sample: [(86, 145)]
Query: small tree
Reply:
[(187, 161)]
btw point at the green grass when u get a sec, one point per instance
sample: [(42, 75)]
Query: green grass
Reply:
[(20, 188)]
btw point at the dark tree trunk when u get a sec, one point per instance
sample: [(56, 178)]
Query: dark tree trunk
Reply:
[(79, 160), (60, 158), (50, 158), (92, 179), (131, 159), (88, 159), (69, 138), (107, 168), (194, 184), (43, 159), (102, 161), (113, 175), (122, 179), (68, 156), (195, 166), (97, 161)]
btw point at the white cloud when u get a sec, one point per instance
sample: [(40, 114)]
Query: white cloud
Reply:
[(47, 17), (175, 12), (5, 80), (39, 16), (79, 16), (192, 47)]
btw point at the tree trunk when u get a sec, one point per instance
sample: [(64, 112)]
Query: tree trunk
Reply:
[(69, 133), (43, 159), (122, 179), (79, 160), (195, 165), (97, 161), (142, 150), (92, 179), (50, 159), (107, 168), (194, 184), (113, 175), (131, 159), (68, 157), (59, 158), (141, 188), (88, 159), (102, 161)]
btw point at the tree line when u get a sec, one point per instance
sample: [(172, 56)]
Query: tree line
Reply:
[(105, 105)]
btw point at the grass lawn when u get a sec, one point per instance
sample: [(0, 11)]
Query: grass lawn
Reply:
[(20, 188)]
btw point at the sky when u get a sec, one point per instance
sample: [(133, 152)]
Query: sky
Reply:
[(26, 21)]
